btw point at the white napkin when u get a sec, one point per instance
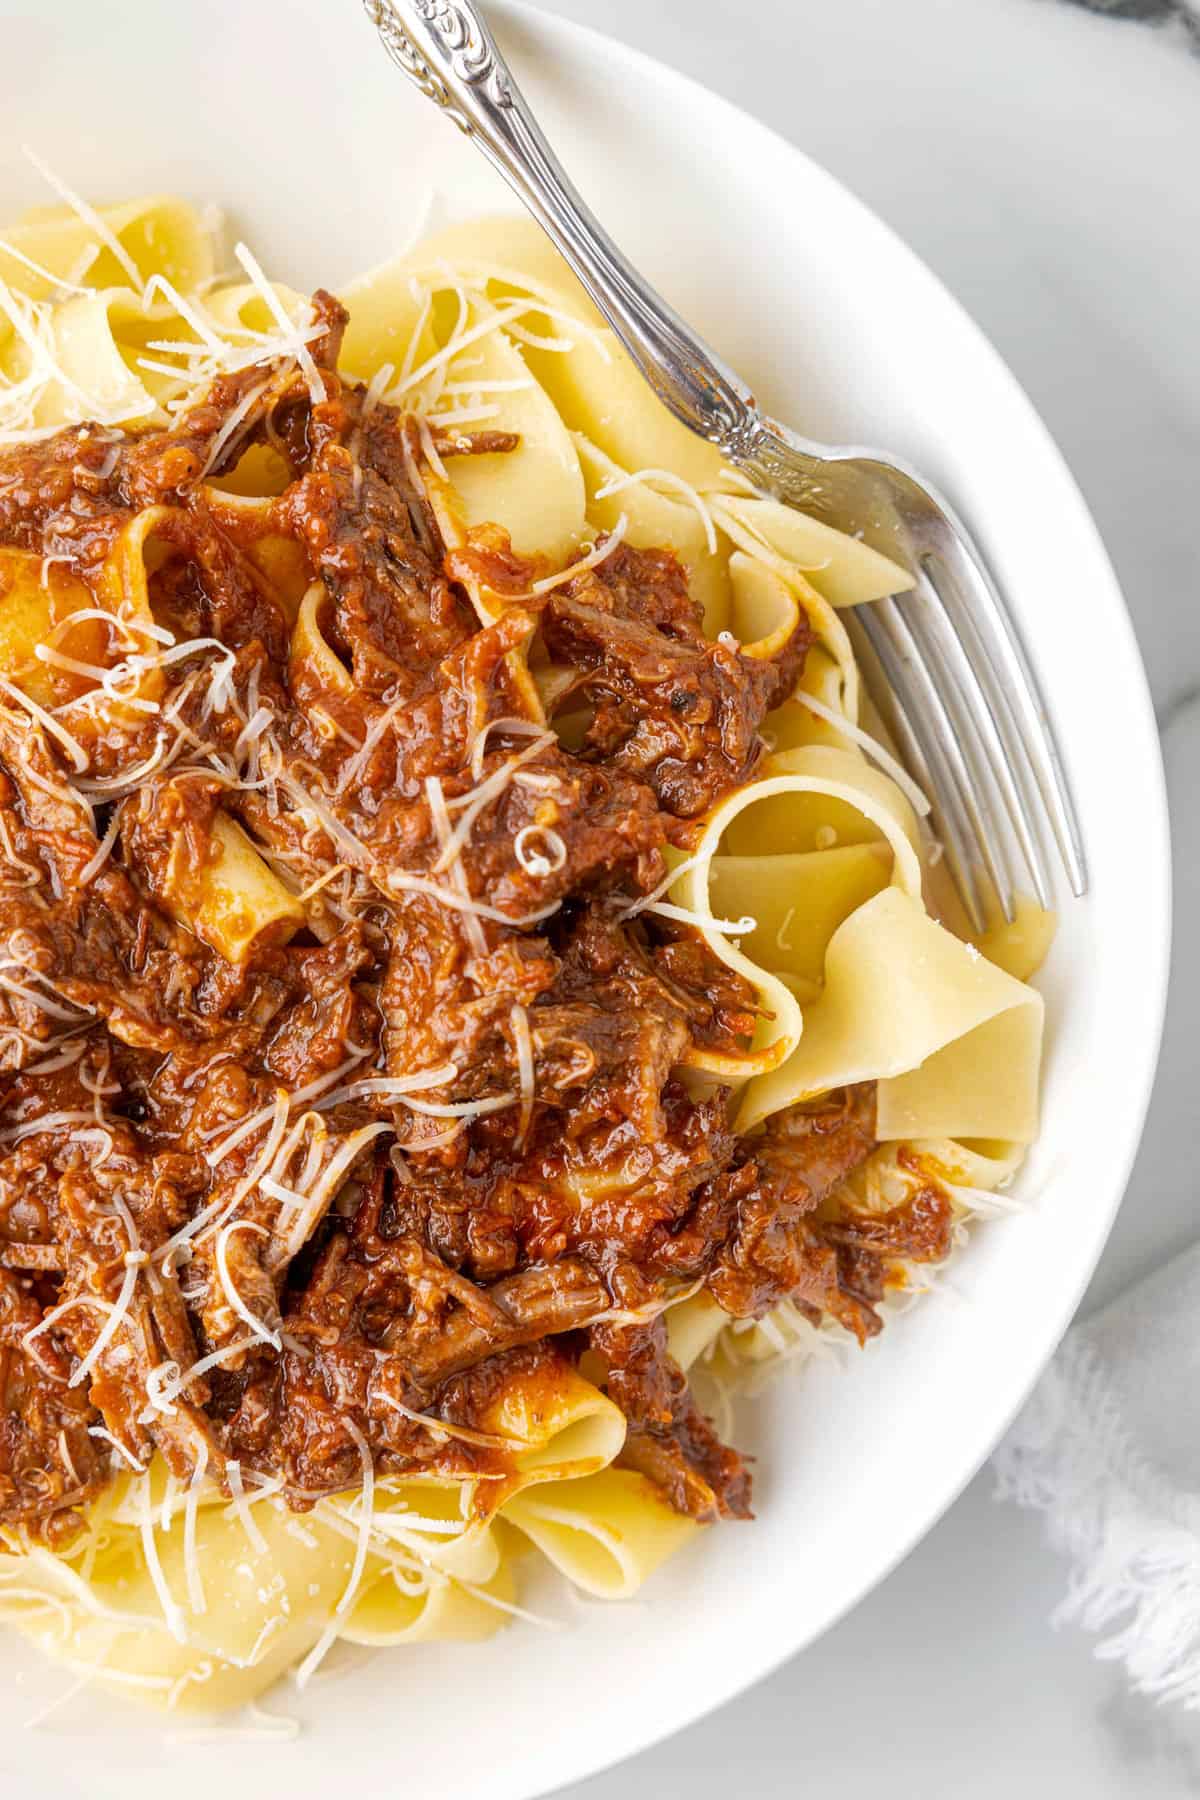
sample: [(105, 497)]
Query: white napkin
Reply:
[(1109, 1449)]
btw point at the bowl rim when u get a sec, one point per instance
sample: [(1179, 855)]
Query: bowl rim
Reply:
[(727, 1677)]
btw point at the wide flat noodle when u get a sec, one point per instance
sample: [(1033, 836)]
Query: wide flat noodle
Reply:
[(413, 314), (536, 491), (162, 235), (817, 777), (589, 379), (842, 568), (799, 901), (607, 1534), (581, 379), (389, 1613), (953, 1041), (438, 1564)]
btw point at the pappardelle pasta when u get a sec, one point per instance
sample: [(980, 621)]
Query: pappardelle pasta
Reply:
[(469, 960)]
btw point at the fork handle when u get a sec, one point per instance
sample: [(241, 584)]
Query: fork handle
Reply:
[(447, 49)]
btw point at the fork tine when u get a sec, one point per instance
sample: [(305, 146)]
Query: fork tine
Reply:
[(967, 701), (912, 708), (922, 616), (968, 697), (928, 700), (1014, 695)]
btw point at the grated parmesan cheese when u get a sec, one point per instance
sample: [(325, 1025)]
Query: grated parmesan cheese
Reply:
[(291, 332), (440, 818), (235, 1300), (400, 881), (367, 1512), (71, 745), (872, 748), (665, 478), (191, 1562), (171, 1612), (104, 849), (703, 921), (600, 551), (237, 1494), (99, 1431), (111, 1326), (547, 860), (91, 218)]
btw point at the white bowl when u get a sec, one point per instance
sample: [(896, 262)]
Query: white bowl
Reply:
[(293, 118)]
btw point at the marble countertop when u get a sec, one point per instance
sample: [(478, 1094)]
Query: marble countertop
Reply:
[(1045, 160)]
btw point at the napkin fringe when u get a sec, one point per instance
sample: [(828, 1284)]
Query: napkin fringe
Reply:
[(1132, 1538)]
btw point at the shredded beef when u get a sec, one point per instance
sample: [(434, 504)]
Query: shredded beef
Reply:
[(448, 1135), (669, 1439), (672, 707)]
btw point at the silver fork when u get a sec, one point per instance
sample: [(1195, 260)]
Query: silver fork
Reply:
[(944, 663)]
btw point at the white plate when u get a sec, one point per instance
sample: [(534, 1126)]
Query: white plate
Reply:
[(292, 117)]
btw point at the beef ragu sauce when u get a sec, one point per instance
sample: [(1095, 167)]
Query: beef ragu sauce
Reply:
[(510, 1174)]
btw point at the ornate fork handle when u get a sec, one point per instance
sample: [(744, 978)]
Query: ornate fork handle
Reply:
[(446, 48)]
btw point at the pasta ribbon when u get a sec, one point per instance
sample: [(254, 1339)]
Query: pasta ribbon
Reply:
[(123, 589), (844, 570), (101, 350), (162, 235), (607, 1533), (389, 1613), (55, 648), (953, 1042), (535, 491), (821, 775), (578, 361), (799, 900)]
